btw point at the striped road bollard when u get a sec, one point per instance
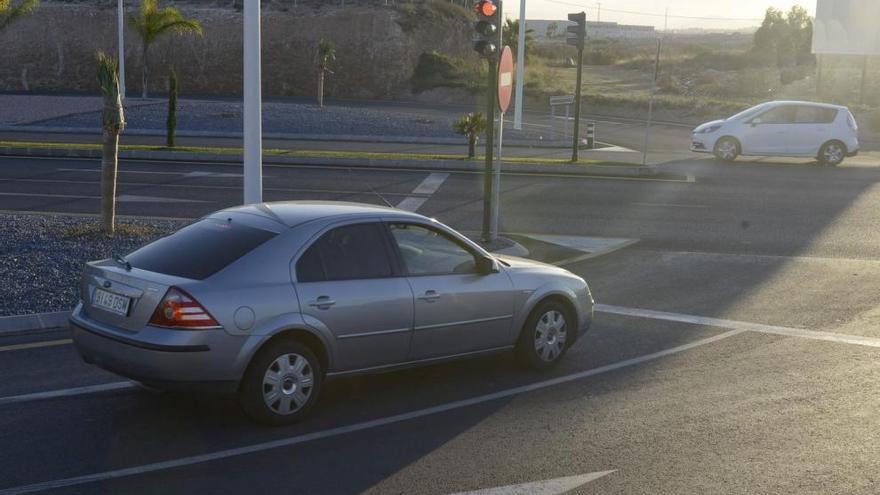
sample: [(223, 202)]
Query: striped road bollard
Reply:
[(591, 135)]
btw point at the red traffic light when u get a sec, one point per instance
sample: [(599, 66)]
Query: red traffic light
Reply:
[(485, 8)]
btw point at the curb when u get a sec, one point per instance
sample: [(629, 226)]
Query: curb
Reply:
[(356, 138), (412, 164), (33, 322)]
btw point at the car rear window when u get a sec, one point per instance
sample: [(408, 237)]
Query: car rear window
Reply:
[(199, 250)]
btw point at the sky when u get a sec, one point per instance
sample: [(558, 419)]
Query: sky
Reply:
[(733, 14)]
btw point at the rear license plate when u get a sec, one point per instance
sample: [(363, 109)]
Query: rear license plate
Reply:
[(111, 302)]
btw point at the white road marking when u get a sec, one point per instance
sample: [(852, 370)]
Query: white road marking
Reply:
[(669, 205), (157, 172), (35, 345), (428, 187), (356, 427), (132, 198), (592, 247), (125, 198), (740, 325), (556, 486), (66, 392), (617, 149)]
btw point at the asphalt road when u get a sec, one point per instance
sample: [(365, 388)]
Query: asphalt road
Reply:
[(759, 375)]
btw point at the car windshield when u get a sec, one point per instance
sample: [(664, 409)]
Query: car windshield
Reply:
[(549, 247), (748, 113)]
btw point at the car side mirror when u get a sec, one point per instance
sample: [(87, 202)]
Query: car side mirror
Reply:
[(755, 121), (487, 265)]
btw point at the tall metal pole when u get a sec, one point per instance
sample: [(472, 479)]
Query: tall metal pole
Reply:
[(120, 42), (253, 125), (520, 66), (577, 106), (488, 176), (651, 104)]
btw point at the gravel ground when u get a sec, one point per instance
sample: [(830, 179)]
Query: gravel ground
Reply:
[(26, 109), (284, 117), (41, 256)]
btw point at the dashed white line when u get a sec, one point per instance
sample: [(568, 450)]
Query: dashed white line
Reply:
[(356, 427), (740, 325), (428, 187), (555, 486)]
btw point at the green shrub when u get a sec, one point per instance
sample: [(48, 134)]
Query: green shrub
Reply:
[(414, 15), (437, 70)]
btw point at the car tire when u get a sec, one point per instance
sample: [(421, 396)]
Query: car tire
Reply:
[(832, 153), (282, 383), (726, 149), (545, 336)]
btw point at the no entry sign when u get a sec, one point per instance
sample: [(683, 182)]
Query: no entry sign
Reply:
[(505, 79)]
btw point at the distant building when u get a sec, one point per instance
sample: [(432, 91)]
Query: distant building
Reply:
[(595, 30)]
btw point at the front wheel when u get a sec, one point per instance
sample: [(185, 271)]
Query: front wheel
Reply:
[(726, 149), (282, 383), (545, 336), (832, 153)]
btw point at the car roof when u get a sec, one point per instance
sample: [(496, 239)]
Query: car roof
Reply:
[(806, 103), (293, 213)]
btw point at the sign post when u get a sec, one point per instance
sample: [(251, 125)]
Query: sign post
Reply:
[(504, 91), (253, 121)]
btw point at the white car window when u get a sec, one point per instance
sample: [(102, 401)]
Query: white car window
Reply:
[(778, 115)]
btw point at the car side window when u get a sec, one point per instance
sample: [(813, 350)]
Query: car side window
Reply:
[(350, 252), (815, 115), (429, 252), (778, 115)]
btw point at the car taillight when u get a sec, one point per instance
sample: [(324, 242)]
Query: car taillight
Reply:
[(180, 310)]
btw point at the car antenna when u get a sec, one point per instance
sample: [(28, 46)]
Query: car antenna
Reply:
[(373, 190)]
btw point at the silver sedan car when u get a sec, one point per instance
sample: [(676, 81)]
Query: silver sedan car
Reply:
[(267, 301)]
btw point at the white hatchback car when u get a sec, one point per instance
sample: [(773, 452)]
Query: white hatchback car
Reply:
[(782, 128)]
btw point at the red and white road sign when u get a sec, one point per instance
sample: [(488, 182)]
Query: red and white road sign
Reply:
[(505, 78)]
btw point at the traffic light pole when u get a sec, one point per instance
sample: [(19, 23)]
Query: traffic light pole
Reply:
[(577, 107), (490, 148)]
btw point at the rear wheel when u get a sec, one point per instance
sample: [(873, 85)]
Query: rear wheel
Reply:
[(832, 153), (282, 383), (545, 336), (726, 149)]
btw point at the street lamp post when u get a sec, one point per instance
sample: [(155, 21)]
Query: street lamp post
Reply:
[(253, 124), (120, 42)]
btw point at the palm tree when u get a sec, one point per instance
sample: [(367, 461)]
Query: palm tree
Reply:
[(152, 22), (112, 122), (471, 125), (9, 12), (326, 55), (510, 36)]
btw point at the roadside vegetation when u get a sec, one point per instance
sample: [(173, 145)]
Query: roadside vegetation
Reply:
[(11, 10), (710, 74)]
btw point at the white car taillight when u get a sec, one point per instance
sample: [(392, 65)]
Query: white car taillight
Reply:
[(180, 310)]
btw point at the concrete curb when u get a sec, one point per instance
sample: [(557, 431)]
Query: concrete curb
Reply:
[(356, 138), (411, 164), (33, 322)]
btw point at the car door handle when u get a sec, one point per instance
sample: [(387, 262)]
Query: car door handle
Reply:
[(430, 296), (322, 302)]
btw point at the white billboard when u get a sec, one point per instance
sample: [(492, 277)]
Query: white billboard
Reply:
[(847, 27)]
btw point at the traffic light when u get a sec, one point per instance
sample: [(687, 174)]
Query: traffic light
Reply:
[(578, 32), (486, 28)]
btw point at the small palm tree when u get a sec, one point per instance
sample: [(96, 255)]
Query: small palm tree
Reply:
[(326, 56), (152, 22), (9, 12), (511, 37), (112, 122), (471, 125)]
